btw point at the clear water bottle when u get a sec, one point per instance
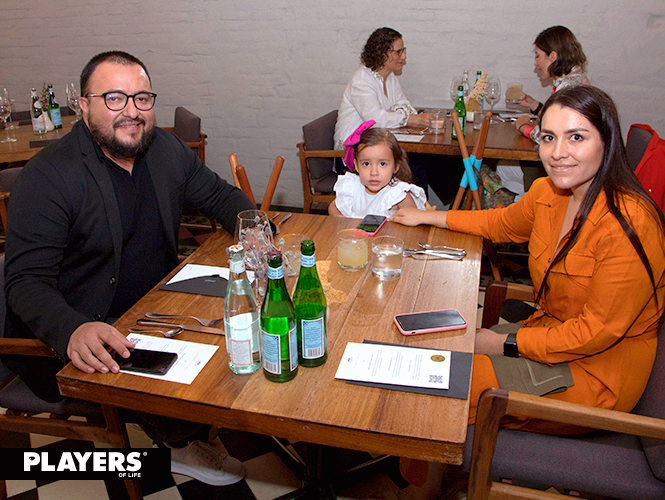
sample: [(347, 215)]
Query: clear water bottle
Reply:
[(37, 114), (241, 318), (465, 83)]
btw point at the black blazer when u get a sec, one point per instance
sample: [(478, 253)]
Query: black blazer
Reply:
[(64, 240)]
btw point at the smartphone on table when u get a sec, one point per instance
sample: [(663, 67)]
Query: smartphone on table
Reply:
[(430, 321), (146, 361), (372, 223)]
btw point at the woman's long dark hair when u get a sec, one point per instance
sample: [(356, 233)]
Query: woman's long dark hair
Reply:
[(379, 43), (614, 177), (568, 50)]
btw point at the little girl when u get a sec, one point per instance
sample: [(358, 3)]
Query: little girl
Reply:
[(378, 181)]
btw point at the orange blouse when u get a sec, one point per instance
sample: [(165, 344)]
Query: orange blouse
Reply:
[(599, 314)]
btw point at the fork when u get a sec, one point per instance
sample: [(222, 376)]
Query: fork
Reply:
[(431, 253), (204, 322)]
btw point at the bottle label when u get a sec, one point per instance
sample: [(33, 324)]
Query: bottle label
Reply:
[(307, 260), (56, 118), (293, 347), (237, 267), (313, 338), (275, 273), (272, 353), (241, 352)]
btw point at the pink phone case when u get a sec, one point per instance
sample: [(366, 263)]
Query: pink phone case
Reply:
[(377, 229), (441, 328)]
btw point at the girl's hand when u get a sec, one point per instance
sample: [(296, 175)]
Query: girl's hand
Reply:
[(528, 101), (522, 121)]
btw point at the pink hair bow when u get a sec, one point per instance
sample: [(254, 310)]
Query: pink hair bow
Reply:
[(352, 140)]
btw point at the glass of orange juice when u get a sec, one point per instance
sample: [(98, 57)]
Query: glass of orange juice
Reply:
[(352, 249)]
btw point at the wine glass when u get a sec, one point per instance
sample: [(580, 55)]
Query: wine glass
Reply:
[(493, 92), (73, 100), (5, 97), (253, 232), (5, 112), (456, 82)]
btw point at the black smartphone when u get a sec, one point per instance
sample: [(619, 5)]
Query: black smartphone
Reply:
[(430, 321), (145, 361), (371, 224)]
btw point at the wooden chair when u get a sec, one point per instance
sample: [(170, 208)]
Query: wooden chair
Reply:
[(23, 408), (242, 181), (625, 460), (317, 159), (187, 126)]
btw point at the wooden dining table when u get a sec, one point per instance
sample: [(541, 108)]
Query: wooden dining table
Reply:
[(315, 407), (504, 142), (22, 150)]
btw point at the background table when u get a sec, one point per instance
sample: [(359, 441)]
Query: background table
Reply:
[(21, 150), (504, 142), (315, 407)]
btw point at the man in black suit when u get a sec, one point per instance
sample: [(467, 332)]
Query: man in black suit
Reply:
[(94, 225)]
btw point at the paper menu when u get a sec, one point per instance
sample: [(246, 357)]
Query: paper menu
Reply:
[(192, 356), (396, 365), (408, 138)]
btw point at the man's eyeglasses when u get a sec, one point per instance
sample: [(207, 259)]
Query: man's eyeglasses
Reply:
[(400, 52), (116, 100)]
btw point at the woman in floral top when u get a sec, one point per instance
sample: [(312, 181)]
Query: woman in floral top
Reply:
[(558, 55)]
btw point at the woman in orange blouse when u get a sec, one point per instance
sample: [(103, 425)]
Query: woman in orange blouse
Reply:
[(596, 258)]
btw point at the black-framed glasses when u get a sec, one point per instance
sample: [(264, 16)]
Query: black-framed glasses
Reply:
[(116, 100), (400, 52)]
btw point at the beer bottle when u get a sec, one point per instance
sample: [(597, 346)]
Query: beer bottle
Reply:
[(241, 317), (461, 110), (37, 113), (278, 325), (54, 108), (311, 308)]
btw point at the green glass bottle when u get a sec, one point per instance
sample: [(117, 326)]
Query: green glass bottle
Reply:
[(278, 325), (461, 111), (311, 310), (54, 108)]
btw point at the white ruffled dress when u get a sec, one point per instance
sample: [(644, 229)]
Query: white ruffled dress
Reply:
[(354, 202)]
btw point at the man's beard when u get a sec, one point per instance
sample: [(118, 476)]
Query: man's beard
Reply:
[(121, 151)]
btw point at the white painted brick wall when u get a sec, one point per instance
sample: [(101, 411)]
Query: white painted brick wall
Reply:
[(256, 71)]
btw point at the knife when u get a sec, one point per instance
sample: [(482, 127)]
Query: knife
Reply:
[(192, 328)]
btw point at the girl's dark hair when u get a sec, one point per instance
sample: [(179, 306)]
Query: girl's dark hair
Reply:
[(375, 51), (569, 51), (614, 177), (374, 136)]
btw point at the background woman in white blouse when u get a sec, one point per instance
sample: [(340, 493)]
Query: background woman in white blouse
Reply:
[(374, 93)]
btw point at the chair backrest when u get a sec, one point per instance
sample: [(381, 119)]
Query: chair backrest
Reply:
[(636, 144), (652, 404), (318, 136), (187, 125), (242, 181)]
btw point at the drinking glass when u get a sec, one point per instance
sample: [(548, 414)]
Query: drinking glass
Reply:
[(493, 92), (352, 249), (289, 245), (387, 258), (5, 97), (73, 100), (254, 233), (437, 121), (5, 112), (456, 82)]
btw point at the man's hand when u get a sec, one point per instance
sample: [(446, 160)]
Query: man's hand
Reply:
[(489, 342), (86, 347)]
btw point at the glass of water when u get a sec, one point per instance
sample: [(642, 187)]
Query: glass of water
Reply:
[(387, 258)]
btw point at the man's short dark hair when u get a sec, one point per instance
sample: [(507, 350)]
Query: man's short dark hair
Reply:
[(117, 57)]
